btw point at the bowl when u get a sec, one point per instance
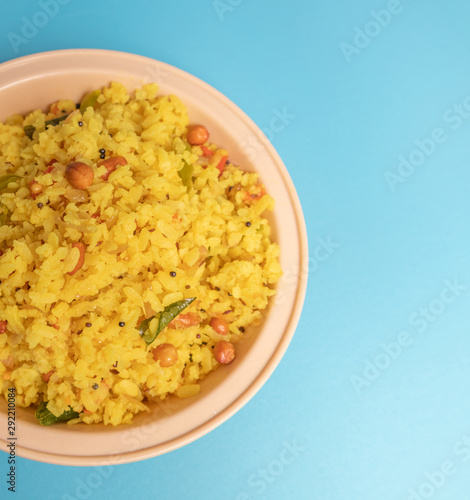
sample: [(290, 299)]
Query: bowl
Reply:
[(35, 81)]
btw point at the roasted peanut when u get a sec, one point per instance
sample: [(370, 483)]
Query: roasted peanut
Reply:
[(224, 352), (111, 164), (81, 259), (35, 189), (79, 175), (185, 320), (46, 376), (166, 354), (71, 115), (219, 325), (197, 135)]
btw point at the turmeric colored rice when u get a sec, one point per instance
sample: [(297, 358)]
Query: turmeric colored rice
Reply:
[(81, 268)]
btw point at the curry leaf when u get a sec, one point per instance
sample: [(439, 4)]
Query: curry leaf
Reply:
[(6, 179), (56, 121), (168, 314), (89, 100), (45, 417), (29, 129)]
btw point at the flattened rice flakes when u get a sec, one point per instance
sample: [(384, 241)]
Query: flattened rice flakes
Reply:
[(82, 267)]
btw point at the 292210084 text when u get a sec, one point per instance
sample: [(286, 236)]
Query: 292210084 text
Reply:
[(11, 440)]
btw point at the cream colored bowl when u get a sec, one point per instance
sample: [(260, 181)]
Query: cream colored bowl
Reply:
[(34, 82)]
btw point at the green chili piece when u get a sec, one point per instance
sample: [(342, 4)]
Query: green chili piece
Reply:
[(89, 100), (6, 179), (4, 214), (186, 174)]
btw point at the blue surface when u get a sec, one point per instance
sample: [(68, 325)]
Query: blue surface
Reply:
[(371, 400)]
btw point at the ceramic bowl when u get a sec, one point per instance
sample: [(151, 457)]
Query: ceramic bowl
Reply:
[(35, 81)]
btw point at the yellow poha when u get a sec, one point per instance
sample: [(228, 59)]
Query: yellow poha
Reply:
[(147, 217)]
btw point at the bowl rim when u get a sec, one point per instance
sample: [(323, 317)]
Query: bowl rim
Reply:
[(299, 297)]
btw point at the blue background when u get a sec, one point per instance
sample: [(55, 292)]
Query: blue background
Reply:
[(371, 400)]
